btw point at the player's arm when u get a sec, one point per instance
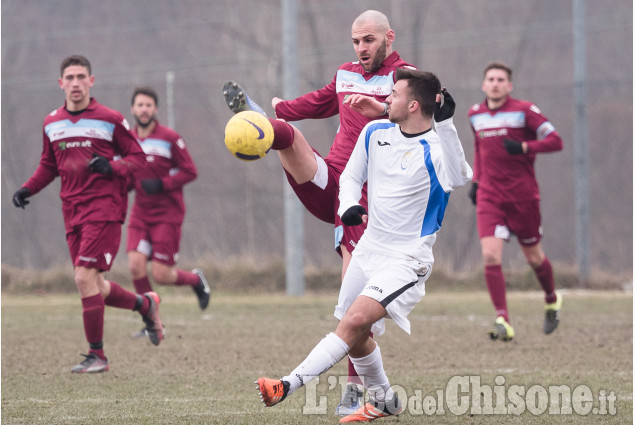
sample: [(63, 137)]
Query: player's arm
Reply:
[(322, 103), (133, 158), (454, 170), (46, 171), (547, 138), (184, 166), (368, 106), (353, 178)]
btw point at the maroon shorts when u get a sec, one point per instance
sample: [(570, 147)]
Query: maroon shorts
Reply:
[(504, 219), (158, 241), (94, 245), (323, 204)]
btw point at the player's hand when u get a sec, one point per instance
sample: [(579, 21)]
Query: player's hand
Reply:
[(513, 147), (368, 106), (472, 192), (100, 164), (445, 106), (19, 197), (274, 103), (152, 186), (355, 216)]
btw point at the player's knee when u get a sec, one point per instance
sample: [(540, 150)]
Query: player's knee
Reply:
[(161, 275), (355, 323)]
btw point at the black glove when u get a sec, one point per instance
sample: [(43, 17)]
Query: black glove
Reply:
[(353, 215), (152, 186), (472, 192), (442, 113), (513, 147), (100, 164), (19, 197)]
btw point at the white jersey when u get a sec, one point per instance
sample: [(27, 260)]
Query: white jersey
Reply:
[(409, 184)]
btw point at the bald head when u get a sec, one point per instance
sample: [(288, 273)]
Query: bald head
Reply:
[(372, 18)]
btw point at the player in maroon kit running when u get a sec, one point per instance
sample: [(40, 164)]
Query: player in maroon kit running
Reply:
[(154, 229), (508, 133), (90, 147), (357, 93)]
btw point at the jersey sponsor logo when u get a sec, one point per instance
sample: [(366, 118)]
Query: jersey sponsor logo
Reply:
[(64, 129), (157, 147), (68, 145), (485, 121), (492, 133), (87, 259), (378, 85)]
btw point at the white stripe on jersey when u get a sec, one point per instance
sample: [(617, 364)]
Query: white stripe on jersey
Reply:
[(485, 121), (378, 85), (96, 129), (156, 147)]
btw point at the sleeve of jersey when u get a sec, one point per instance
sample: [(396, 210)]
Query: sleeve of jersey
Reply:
[(46, 171), (185, 165), (454, 171), (322, 103), (354, 175), (133, 158), (547, 138)]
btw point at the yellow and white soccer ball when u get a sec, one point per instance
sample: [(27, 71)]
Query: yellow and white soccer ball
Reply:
[(248, 135)]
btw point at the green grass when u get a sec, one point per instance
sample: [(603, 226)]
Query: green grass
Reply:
[(203, 372)]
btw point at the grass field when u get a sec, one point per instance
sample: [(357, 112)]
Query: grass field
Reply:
[(203, 372)]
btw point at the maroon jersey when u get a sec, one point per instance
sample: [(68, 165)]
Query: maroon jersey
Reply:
[(70, 140), (503, 177), (168, 160), (327, 101)]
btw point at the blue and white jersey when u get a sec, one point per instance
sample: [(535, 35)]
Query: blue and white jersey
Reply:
[(409, 184)]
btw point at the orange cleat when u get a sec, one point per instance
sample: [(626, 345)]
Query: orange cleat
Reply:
[(374, 410), (272, 391)]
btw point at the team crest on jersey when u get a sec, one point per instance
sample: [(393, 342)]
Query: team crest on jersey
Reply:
[(108, 257), (405, 160)]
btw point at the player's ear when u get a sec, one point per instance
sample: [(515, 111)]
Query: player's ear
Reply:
[(59, 82), (92, 80), (390, 37)]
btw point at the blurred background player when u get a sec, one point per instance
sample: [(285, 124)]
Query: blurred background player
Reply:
[(80, 143), (154, 229), (357, 93), (508, 133), (410, 170)]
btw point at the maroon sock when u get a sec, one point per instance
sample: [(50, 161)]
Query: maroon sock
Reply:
[(93, 314), (282, 134), (186, 278), (121, 298), (544, 273), (142, 285), (496, 286), (352, 373)]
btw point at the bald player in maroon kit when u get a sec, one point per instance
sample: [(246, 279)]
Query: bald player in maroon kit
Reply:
[(154, 227), (90, 147), (508, 133)]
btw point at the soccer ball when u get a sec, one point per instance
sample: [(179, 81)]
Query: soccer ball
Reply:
[(248, 135)]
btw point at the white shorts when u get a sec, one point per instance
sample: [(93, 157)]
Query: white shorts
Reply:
[(398, 284)]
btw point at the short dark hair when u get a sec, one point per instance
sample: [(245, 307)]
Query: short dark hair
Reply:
[(148, 91), (423, 87), (75, 60), (499, 65)]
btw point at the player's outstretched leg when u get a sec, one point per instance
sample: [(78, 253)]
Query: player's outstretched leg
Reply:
[(272, 391), (552, 314), (502, 330), (374, 409), (238, 101)]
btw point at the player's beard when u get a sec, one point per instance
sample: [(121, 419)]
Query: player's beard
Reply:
[(144, 124), (380, 56)]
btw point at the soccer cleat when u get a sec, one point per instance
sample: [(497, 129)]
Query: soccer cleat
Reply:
[(502, 330), (237, 99), (272, 391), (91, 364), (374, 410), (154, 328), (202, 289), (351, 400), (552, 314)]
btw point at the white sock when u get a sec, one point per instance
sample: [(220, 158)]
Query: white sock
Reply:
[(371, 370), (324, 355)]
